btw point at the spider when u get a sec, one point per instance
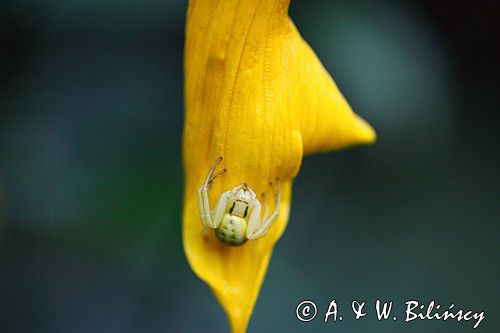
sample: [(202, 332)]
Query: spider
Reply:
[(229, 218)]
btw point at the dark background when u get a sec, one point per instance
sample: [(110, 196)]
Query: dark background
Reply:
[(91, 176)]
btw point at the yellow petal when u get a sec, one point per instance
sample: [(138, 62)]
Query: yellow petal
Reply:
[(257, 95)]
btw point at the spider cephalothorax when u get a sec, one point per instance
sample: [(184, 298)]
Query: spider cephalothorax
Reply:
[(234, 208)]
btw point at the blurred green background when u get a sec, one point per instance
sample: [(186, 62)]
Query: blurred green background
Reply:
[(91, 176)]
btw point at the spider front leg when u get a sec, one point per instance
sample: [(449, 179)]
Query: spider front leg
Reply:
[(254, 220), (204, 204)]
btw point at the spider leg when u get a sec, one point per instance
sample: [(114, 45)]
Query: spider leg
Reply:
[(220, 209), (204, 206), (211, 171), (215, 175), (254, 219), (203, 202), (201, 207), (268, 223), (252, 193)]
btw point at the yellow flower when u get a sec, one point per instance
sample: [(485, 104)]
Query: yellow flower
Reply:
[(257, 95)]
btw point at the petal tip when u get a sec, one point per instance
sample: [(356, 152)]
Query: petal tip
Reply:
[(365, 133)]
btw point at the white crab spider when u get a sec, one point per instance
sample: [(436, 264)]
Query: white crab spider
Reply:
[(234, 206)]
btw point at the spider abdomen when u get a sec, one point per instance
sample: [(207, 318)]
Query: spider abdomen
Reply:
[(232, 230)]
